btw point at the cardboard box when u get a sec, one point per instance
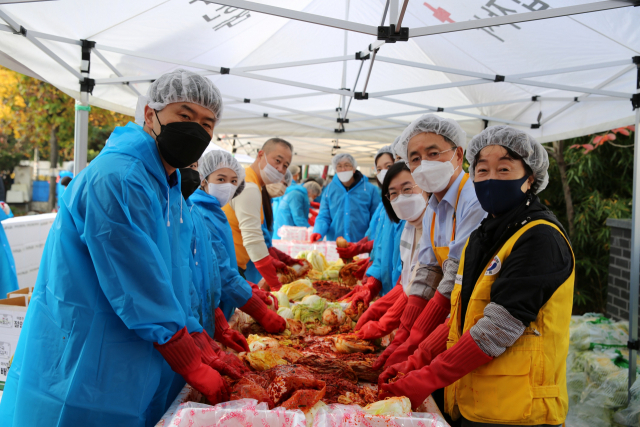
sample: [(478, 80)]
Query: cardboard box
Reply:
[(24, 291), (12, 313)]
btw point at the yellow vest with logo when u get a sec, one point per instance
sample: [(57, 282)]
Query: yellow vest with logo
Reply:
[(527, 384), (242, 256)]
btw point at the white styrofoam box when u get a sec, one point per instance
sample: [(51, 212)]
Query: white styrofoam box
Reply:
[(27, 236), (283, 245), (287, 232), (331, 254), (12, 313)]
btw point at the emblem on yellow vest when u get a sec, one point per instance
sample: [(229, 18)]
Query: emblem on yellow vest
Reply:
[(494, 267)]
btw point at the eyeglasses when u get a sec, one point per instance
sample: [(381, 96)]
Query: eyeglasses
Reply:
[(432, 156), (406, 192)]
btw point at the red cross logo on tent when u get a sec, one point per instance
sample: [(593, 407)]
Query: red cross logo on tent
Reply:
[(440, 14)]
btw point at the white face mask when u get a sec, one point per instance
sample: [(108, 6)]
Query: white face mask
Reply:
[(433, 176), (345, 176), (381, 175), (269, 174), (409, 207), (276, 190), (222, 192)]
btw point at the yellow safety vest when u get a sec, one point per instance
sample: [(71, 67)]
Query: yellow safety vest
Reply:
[(242, 256), (442, 252), (527, 384)]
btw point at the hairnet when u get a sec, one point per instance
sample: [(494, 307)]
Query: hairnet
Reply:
[(430, 123), (313, 187), (219, 159), (294, 169), (523, 144), (180, 86), (343, 156), (288, 177), (394, 146), (320, 181), (384, 150)]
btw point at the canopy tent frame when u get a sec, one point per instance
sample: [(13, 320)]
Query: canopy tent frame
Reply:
[(395, 18)]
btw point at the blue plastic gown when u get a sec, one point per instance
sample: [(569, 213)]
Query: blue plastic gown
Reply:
[(207, 278), (235, 291), (114, 279), (293, 210), (374, 224), (8, 277), (387, 265), (347, 213)]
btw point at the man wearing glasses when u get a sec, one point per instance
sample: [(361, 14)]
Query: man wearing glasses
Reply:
[(433, 148)]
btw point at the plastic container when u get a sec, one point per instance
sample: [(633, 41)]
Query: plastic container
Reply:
[(40, 191)]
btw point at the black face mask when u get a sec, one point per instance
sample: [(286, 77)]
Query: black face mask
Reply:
[(181, 143), (498, 196), (189, 181)]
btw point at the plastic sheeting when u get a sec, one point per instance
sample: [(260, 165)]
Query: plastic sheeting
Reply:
[(186, 411)]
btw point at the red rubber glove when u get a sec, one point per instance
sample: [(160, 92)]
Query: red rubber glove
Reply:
[(265, 296), (267, 268), (378, 308), (390, 321), (281, 256), (428, 349), (447, 368), (315, 205), (185, 358), (369, 291), (434, 314), (269, 320), (315, 237), (355, 249), (414, 307), (229, 337), (364, 264), (211, 353)]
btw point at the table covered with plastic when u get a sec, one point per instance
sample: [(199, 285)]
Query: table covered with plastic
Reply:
[(187, 411)]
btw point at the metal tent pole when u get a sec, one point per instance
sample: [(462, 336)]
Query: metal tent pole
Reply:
[(81, 133), (634, 282)]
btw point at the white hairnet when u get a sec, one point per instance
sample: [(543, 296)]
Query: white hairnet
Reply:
[(394, 146), (343, 156), (430, 123), (219, 159), (384, 150), (180, 86), (523, 144), (294, 169), (288, 178), (313, 187)]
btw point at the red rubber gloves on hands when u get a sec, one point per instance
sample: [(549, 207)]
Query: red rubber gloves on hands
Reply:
[(414, 307), (380, 307), (185, 358), (436, 311), (364, 264), (229, 337), (365, 293), (281, 256), (265, 296), (389, 321), (267, 268), (428, 349), (445, 369), (315, 237), (363, 246), (213, 356), (269, 320)]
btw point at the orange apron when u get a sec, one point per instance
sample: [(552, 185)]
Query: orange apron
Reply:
[(442, 252)]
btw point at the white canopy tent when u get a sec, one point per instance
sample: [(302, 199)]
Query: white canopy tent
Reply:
[(314, 72)]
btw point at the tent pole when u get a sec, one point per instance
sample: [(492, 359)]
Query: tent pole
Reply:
[(344, 63), (81, 133), (634, 282)]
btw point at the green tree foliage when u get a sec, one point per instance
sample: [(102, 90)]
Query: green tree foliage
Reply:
[(599, 172)]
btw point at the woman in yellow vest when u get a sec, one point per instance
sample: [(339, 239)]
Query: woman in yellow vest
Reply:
[(502, 356)]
